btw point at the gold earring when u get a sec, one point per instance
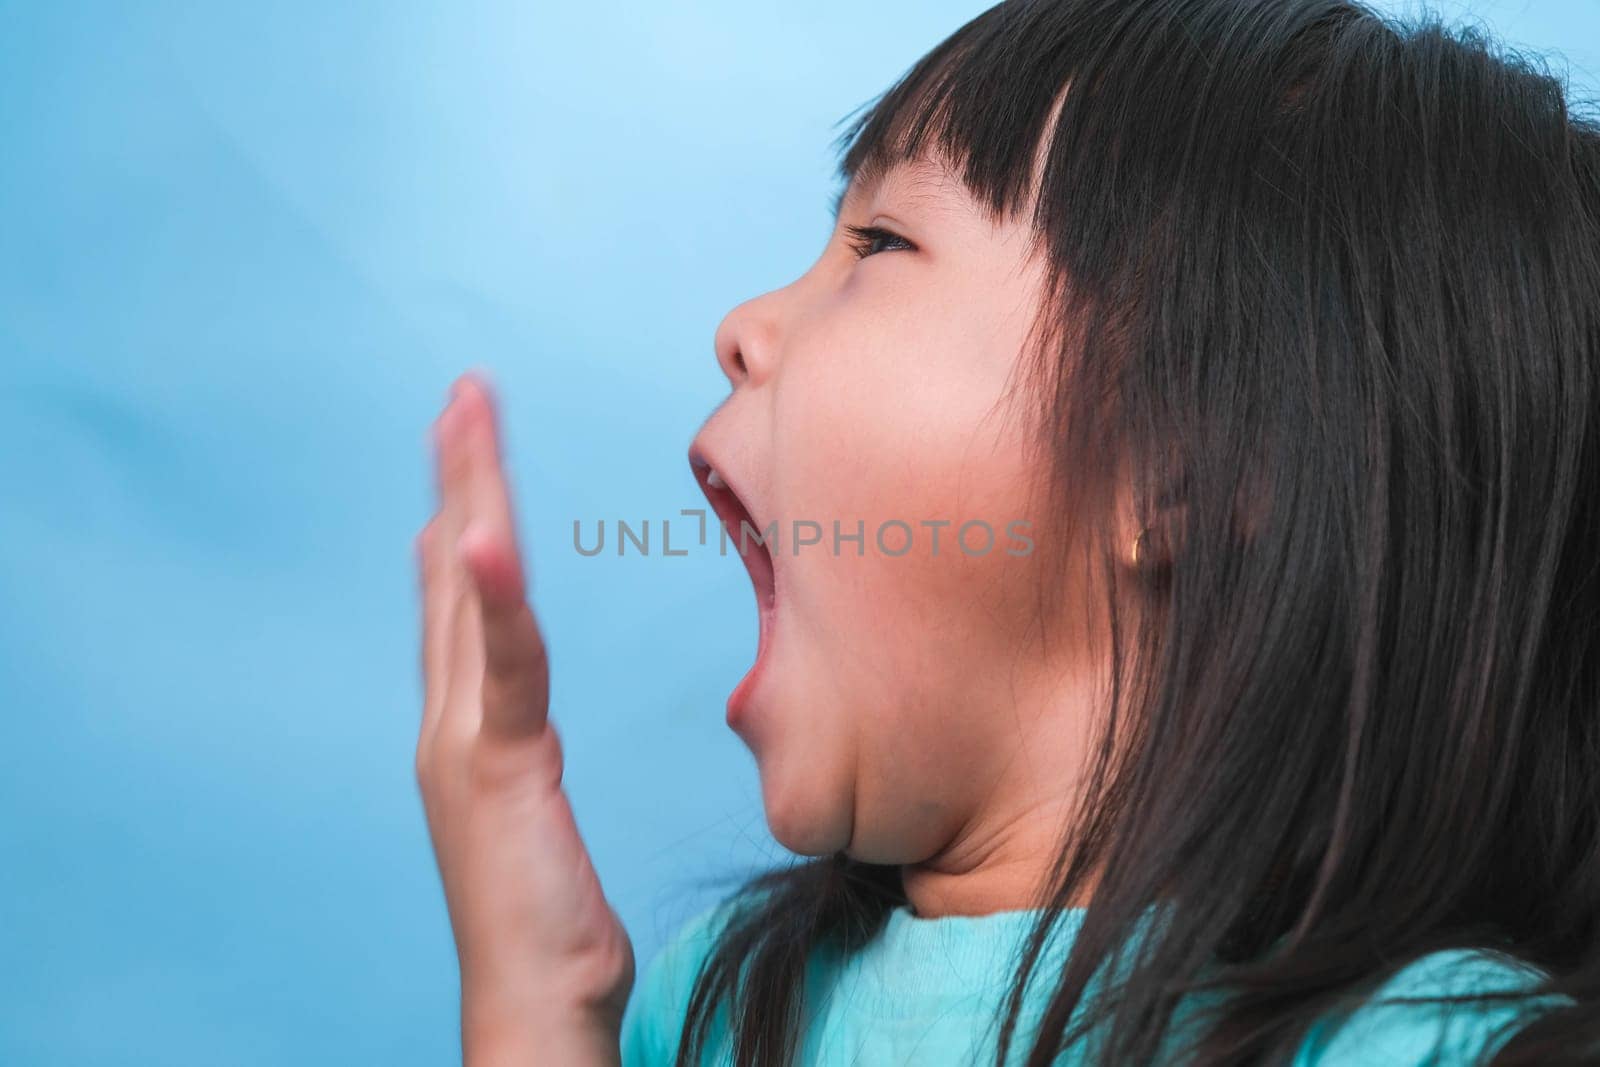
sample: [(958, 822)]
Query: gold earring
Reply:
[(1137, 553)]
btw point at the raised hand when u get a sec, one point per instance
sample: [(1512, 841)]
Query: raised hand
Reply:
[(546, 967)]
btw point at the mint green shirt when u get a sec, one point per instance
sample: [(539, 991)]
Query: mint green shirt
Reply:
[(928, 992)]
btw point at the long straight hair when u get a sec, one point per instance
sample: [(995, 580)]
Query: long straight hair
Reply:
[(1325, 290)]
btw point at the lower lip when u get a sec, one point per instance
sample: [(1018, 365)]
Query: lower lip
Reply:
[(739, 700)]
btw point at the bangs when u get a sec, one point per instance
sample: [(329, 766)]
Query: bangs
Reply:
[(1172, 103), (976, 105)]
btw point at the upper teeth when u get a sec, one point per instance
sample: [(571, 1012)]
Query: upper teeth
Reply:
[(714, 480)]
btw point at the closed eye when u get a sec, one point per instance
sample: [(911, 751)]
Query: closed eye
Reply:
[(865, 240)]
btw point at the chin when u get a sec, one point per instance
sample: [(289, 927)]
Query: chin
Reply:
[(803, 814)]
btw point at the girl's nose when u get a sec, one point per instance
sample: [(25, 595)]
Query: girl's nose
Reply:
[(746, 341)]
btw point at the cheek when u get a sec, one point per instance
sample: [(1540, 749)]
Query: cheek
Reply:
[(907, 436), (898, 414)]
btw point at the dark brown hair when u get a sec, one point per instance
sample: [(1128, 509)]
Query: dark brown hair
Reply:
[(1328, 285)]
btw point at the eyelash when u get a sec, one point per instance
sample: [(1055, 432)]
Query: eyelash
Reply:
[(864, 236)]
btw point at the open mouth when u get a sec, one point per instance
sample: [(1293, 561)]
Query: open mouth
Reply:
[(749, 540), (742, 531)]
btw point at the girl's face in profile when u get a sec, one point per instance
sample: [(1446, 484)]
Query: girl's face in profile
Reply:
[(894, 707)]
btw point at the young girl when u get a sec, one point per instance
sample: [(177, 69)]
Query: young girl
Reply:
[(1264, 338)]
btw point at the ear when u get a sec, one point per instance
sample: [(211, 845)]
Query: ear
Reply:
[(1150, 521)]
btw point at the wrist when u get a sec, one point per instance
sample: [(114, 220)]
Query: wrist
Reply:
[(533, 1032), (554, 1046)]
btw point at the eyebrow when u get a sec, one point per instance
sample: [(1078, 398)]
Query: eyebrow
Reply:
[(873, 177)]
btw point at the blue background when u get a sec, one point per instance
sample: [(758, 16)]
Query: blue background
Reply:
[(243, 251)]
